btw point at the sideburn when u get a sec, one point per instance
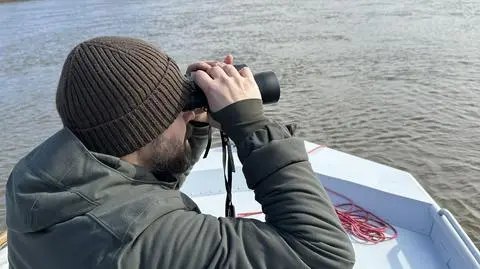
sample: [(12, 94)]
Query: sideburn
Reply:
[(171, 156)]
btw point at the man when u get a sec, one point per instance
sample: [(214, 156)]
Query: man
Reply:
[(103, 191)]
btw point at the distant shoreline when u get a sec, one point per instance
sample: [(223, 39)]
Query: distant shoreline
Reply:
[(11, 1)]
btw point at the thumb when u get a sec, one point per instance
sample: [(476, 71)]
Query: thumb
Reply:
[(188, 116)]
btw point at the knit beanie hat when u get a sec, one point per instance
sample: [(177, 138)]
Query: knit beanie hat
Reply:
[(118, 94)]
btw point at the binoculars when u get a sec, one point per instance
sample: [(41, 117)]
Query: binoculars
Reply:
[(267, 83)]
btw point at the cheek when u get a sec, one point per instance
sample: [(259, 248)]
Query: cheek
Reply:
[(177, 130)]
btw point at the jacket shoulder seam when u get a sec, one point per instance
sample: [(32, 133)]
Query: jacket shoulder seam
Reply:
[(104, 225)]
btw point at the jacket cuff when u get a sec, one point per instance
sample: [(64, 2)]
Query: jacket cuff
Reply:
[(199, 128), (279, 153), (242, 118)]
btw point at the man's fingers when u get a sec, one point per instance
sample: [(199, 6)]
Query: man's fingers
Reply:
[(228, 59), (203, 80), (188, 116), (230, 70), (245, 72), (205, 65), (216, 72), (201, 116), (198, 66)]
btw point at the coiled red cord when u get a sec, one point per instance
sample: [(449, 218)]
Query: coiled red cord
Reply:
[(361, 223), (357, 221)]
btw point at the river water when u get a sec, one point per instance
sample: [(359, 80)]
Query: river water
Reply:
[(395, 82)]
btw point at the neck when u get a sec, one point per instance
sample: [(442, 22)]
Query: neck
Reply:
[(136, 159)]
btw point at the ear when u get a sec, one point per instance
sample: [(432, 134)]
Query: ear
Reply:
[(132, 158)]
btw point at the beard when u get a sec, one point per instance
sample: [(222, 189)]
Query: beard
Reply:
[(171, 156)]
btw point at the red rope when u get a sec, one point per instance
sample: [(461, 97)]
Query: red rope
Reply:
[(362, 223), (357, 221), (315, 148), (248, 214)]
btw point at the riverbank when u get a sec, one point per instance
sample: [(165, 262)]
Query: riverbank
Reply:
[(11, 1)]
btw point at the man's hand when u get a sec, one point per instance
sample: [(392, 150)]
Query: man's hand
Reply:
[(200, 114), (205, 65), (223, 84)]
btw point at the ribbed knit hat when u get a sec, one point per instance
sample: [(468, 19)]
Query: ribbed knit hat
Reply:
[(118, 94)]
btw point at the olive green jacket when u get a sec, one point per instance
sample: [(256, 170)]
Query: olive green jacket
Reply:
[(71, 208)]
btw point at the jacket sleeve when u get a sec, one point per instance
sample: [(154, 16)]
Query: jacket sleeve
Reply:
[(301, 228)]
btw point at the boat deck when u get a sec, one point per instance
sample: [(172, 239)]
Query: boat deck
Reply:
[(428, 237)]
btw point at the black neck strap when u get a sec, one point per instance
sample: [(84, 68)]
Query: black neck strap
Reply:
[(228, 169)]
